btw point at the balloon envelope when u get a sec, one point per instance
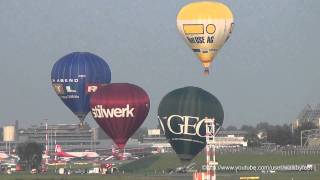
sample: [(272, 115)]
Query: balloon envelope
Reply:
[(120, 109), (205, 26), (182, 115), (75, 76)]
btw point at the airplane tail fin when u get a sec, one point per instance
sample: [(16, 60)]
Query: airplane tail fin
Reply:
[(113, 150), (58, 148)]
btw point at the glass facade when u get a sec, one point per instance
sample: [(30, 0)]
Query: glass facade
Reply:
[(309, 114)]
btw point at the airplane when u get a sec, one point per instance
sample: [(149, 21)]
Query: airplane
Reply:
[(120, 155), (187, 168), (70, 155), (4, 155)]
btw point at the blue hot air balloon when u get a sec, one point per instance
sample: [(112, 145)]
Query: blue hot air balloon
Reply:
[(75, 76)]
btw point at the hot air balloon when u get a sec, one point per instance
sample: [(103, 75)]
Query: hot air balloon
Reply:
[(205, 26), (120, 109), (75, 76), (182, 114)]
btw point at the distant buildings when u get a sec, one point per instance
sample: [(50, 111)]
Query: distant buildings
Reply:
[(223, 139), (74, 137), (69, 136), (156, 139), (231, 138), (308, 114)]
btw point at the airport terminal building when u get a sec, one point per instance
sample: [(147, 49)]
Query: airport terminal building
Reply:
[(72, 137), (69, 136), (157, 140)]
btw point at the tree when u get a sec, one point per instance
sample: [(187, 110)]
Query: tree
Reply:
[(263, 126), (30, 154), (280, 135), (231, 128), (251, 137), (249, 129)]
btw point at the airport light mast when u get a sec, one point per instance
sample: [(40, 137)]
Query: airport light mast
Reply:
[(47, 141), (210, 149)]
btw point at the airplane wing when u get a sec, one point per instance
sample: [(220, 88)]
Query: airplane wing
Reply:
[(109, 158)]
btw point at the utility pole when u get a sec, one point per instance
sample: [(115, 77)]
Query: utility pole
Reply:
[(55, 144), (47, 141), (301, 138)]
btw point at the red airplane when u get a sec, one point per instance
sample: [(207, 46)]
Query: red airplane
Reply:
[(4, 155), (70, 155)]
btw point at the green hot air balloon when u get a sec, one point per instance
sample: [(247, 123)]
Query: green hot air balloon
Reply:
[(182, 114)]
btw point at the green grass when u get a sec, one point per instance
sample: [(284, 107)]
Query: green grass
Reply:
[(163, 162), (152, 167), (265, 159), (283, 176), (152, 164), (85, 177), (73, 166), (158, 163)]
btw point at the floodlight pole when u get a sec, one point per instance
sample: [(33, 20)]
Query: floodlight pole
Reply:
[(210, 148), (55, 144), (47, 141), (301, 138)]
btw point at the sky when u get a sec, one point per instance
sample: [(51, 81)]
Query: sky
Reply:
[(267, 71)]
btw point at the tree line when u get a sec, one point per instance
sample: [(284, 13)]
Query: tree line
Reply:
[(278, 134)]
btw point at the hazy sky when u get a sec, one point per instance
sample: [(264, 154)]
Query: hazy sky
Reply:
[(267, 71)]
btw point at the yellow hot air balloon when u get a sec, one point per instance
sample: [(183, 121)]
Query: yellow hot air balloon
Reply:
[(206, 26)]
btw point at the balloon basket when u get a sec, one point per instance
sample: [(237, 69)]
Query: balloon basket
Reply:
[(206, 72), (81, 125)]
